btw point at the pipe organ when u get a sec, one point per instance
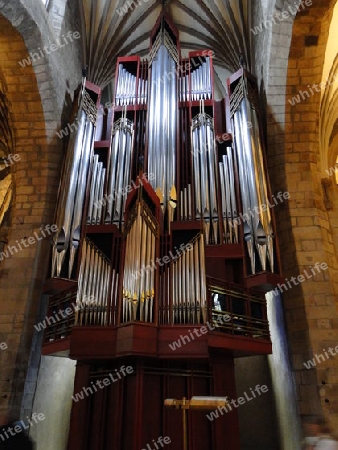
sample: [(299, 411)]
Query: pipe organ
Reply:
[(162, 229)]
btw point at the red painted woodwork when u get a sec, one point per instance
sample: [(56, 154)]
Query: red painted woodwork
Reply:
[(129, 413), (143, 339)]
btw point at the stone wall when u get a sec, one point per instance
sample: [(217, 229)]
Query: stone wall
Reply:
[(302, 224), (36, 93)]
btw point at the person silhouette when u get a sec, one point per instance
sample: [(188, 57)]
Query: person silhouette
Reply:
[(318, 435)]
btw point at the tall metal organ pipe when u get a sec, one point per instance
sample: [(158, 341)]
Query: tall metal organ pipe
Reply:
[(205, 169), (162, 116), (120, 168), (138, 276), (258, 232), (71, 196)]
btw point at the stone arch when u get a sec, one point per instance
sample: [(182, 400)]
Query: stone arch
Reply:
[(36, 96), (19, 294), (56, 72)]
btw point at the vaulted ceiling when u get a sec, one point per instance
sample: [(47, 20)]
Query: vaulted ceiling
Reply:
[(115, 28)]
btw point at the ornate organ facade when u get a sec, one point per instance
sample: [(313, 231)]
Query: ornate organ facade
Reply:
[(164, 250)]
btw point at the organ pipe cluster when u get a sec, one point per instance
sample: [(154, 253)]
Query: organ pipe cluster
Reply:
[(96, 192), (188, 284), (184, 88), (139, 270), (185, 202), (201, 88), (257, 223), (94, 284), (119, 170), (228, 195), (73, 186), (204, 165), (126, 88)]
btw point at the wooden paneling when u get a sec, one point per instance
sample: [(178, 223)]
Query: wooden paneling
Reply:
[(129, 414)]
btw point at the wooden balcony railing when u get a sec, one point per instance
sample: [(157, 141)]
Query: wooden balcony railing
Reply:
[(231, 309), (238, 311)]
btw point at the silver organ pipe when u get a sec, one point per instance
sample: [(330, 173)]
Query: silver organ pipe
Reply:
[(258, 232), (138, 277), (126, 88), (71, 196), (80, 196), (126, 91), (119, 170), (162, 117), (188, 283), (96, 277), (183, 85), (228, 198), (99, 124), (92, 204), (205, 170), (142, 91), (200, 79), (101, 181)]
